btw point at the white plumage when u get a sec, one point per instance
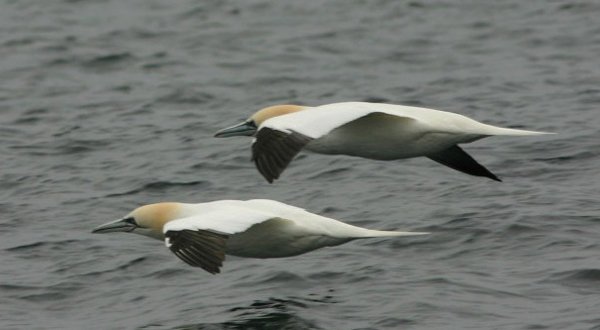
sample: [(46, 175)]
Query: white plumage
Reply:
[(370, 130), (201, 234), (316, 122)]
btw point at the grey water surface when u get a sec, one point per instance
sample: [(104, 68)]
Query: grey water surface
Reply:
[(108, 105)]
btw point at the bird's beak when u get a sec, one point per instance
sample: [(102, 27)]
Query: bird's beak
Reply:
[(114, 226), (247, 128)]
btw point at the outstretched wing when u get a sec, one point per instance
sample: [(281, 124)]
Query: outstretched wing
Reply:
[(455, 157), (198, 248), (273, 150), (201, 240)]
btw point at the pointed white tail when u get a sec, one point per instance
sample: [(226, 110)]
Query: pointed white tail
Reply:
[(386, 233), (494, 130)]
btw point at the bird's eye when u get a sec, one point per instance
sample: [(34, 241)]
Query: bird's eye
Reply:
[(251, 123), (130, 220)]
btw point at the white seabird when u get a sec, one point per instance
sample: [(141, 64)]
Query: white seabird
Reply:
[(370, 130), (201, 234)]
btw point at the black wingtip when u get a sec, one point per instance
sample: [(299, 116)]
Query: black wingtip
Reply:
[(273, 150), (482, 171), (198, 248), (456, 158), (262, 171)]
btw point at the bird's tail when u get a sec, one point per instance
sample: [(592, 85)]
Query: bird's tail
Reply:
[(495, 130), (340, 229), (388, 233)]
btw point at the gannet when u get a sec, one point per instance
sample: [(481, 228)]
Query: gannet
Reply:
[(201, 234), (369, 130)]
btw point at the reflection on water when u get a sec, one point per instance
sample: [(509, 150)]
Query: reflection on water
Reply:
[(268, 314)]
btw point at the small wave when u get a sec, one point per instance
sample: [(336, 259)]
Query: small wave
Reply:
[(327, 275), (13, 287), (580, 276), (282, 276), (393, 322), (168, 273), (187, 96), (95, 274), (258, 320), (35, 249), (46, 296), (159, 186), (63, 148), (108, 59), (577, 156), (49, 293), (272, 313), (234, 165), (276, 303), (326, 174), (519, 228)]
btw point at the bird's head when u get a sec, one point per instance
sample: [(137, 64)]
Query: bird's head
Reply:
[(250, 126), (146, 220)]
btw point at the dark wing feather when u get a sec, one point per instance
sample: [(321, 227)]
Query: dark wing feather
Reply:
[(273, 150), (198, 248), (456, 158)]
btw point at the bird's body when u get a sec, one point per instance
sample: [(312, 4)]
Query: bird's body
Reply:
[(201, 234), (388, 135), (369, 130)]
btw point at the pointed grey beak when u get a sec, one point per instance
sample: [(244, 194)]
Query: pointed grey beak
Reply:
[(247, 128), (124, 225)]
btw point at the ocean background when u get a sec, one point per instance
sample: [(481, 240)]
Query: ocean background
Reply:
[(108, 105)]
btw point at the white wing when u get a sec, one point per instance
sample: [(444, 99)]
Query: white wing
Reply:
[(201, 240), (228, 221), (318, 121)]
